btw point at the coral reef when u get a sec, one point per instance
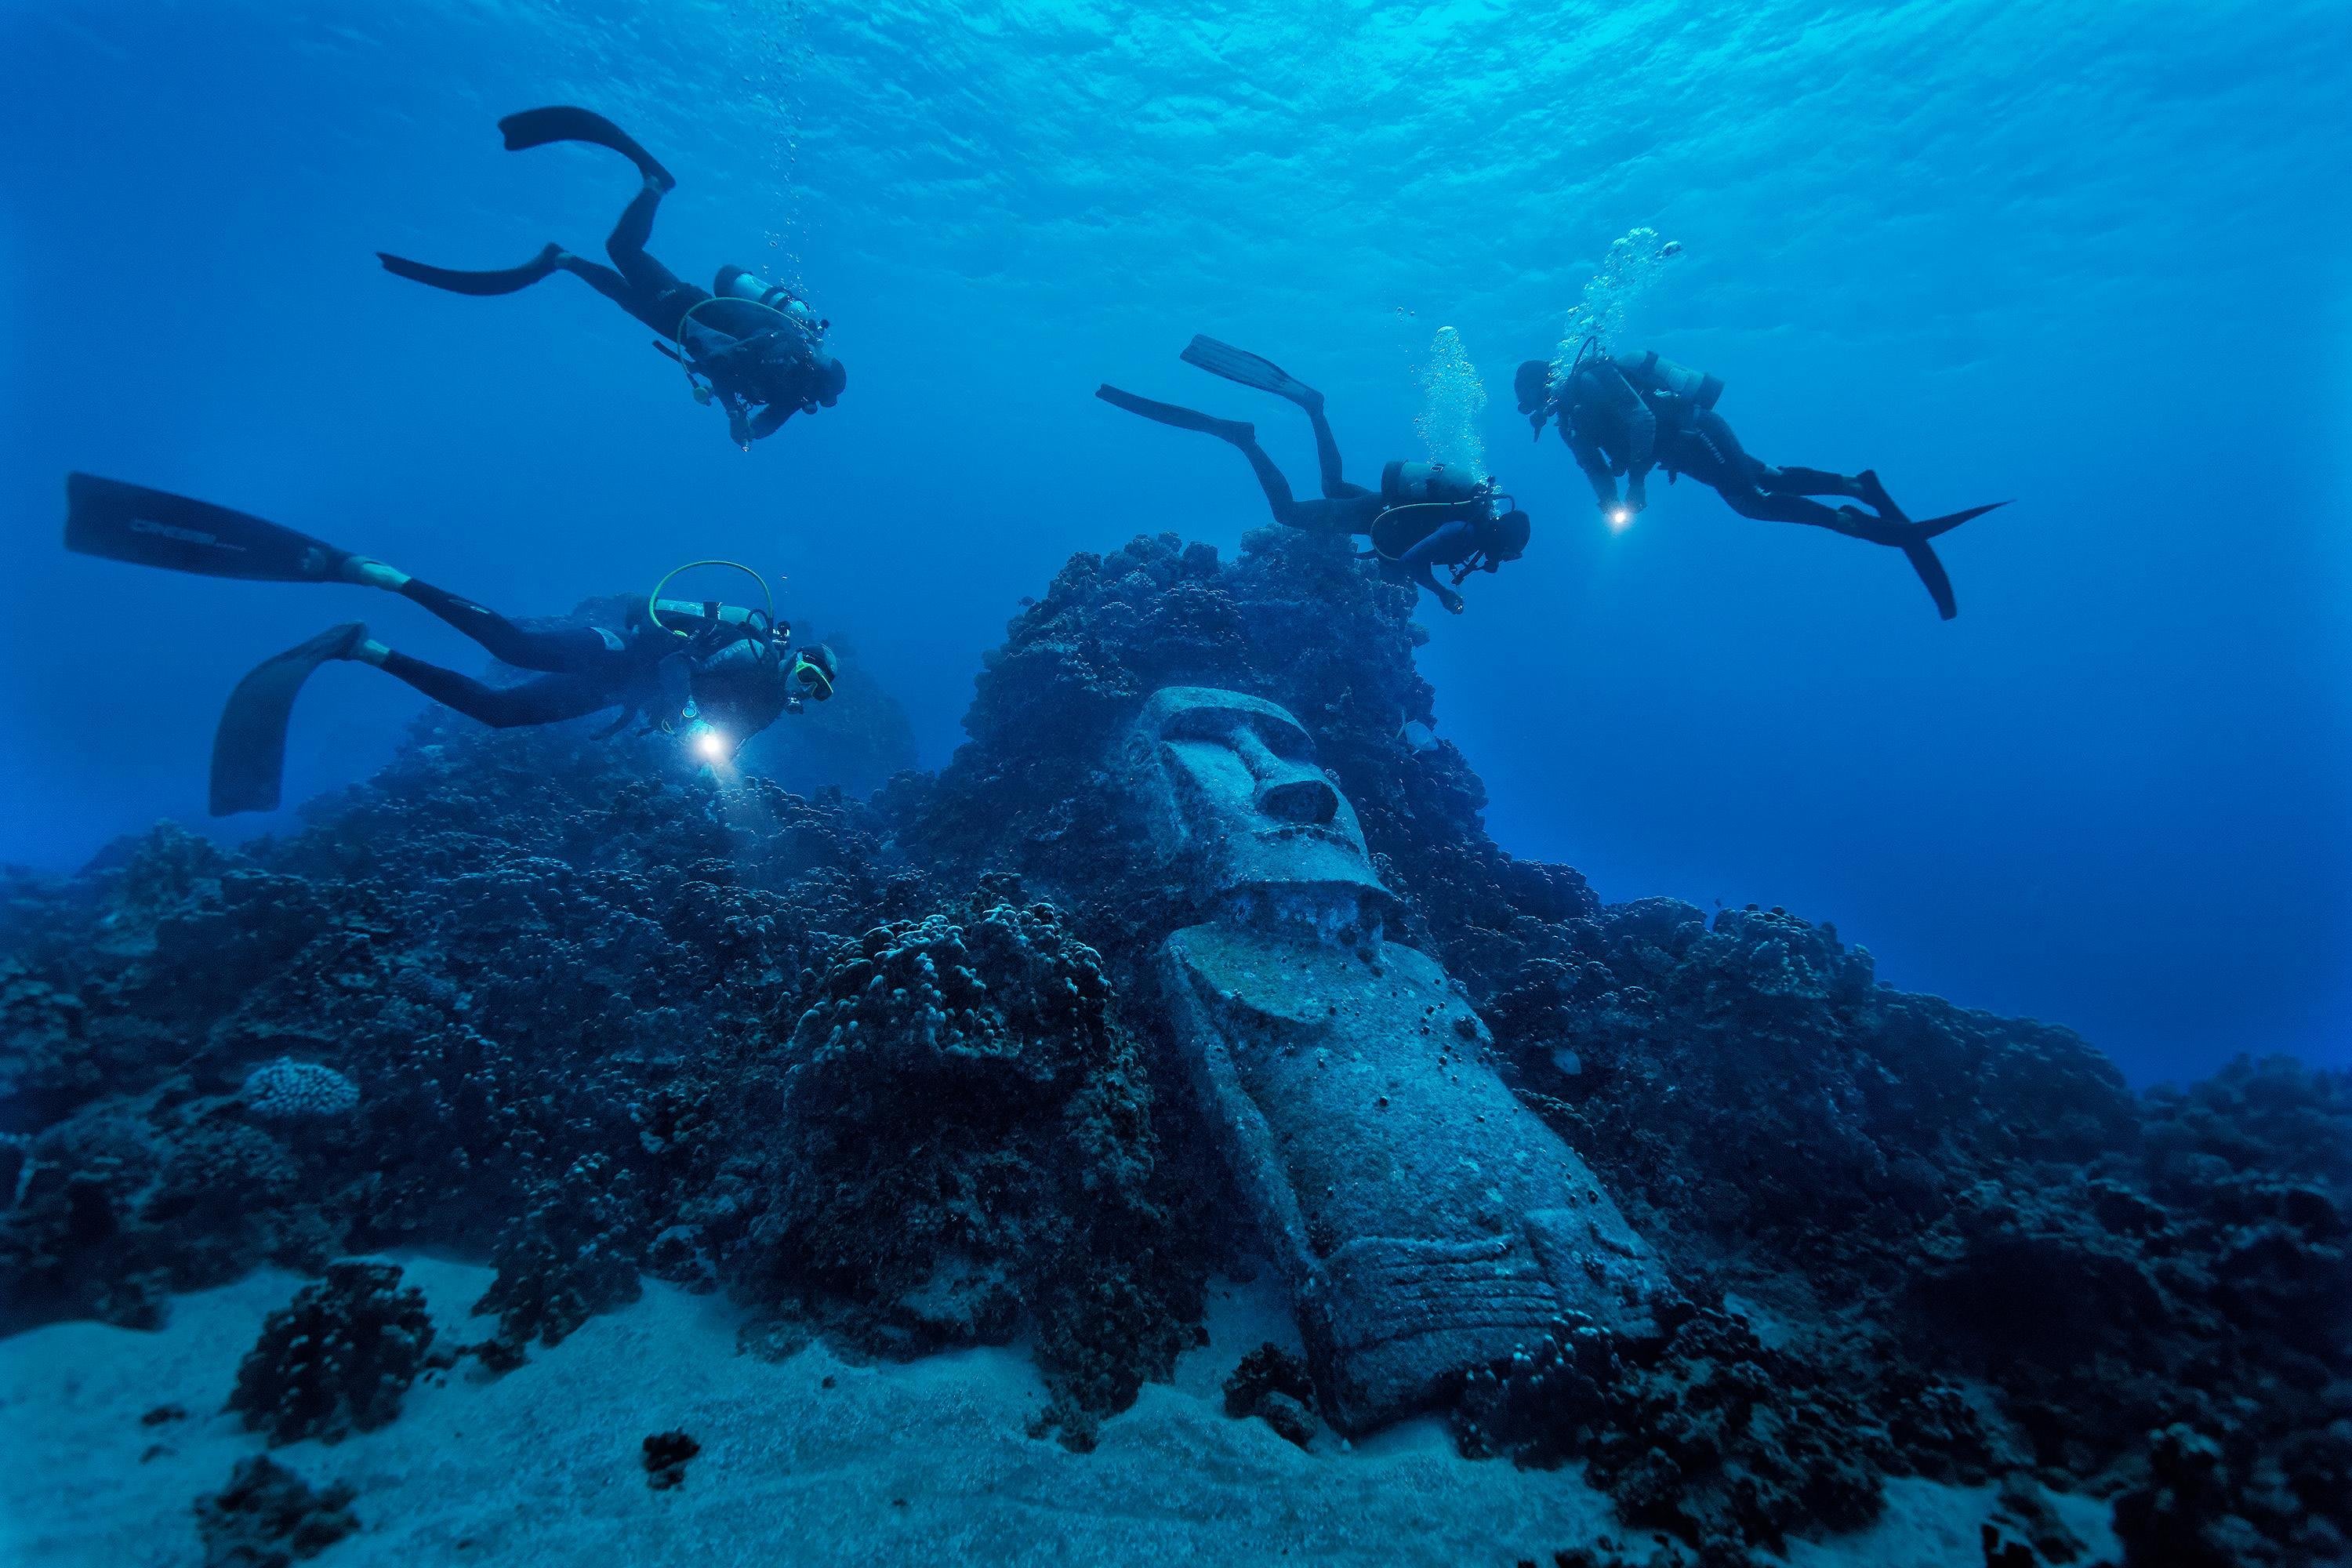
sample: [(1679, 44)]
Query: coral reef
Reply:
[(570, 1256), (972, 1149), (1711, 1436), (339, 1357), (904, 1072), (289, 1090), (268, 1517)]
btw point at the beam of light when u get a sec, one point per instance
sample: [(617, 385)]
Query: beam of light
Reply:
[(1620, 516), (712, 745)]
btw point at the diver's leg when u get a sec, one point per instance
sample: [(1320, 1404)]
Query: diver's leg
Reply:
[(626, 244), (1339, 516), (1708, 451), (1327, 454), (547, 700), (1287, 508), (1799, 482), (599, 278), (570, 650), (1765, 507)]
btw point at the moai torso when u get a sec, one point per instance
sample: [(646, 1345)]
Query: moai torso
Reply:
[(1427, 1221)]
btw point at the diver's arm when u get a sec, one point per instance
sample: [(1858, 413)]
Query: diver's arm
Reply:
[(1418, 560), (1640, 424), (1595, 464), (770, 418)]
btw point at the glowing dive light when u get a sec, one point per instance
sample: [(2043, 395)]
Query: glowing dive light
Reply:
[(712, 745), (1621, 517)]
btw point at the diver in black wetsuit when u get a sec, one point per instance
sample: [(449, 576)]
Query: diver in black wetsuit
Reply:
[(727, 672), (1423, 516), (751, 345), (1628, 414)]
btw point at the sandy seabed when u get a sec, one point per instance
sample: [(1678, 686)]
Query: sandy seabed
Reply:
[(926, 1462)]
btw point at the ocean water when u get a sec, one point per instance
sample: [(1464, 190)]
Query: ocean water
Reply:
[(2087, 258), (2083, 256)]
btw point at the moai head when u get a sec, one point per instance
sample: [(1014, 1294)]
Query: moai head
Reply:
[(1233, 788)]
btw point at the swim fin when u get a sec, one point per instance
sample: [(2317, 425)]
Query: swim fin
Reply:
[(501, 280), (1924, 561), (1239, 432), (249, 747), (539, 127), (156, 528), (1952, 520), (1239, 365)]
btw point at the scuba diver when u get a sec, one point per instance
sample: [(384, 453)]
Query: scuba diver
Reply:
[(1424, 515), (719, 672), (745, 343), (1627, 413)]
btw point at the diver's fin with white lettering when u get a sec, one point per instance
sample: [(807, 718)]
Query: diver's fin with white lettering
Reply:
[(155, 528)]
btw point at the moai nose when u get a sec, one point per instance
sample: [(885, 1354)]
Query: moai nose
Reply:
[(1308, 802)]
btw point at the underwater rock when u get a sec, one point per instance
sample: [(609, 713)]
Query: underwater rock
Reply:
[(666, 1457), (268, 1517), (1275, 1387), (337, 1358), (967, 1144), (1425, 1219)]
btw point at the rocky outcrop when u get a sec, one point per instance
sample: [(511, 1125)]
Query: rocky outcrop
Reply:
[(268, 1517), (338, 1358), (970, 1150)]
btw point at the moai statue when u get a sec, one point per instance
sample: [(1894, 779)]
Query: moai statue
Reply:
[(1427, 1221)]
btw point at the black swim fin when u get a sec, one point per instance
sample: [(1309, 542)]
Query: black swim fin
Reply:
[(1239, 432), (1239, 365), (249, 747), (156, 528), (1924, 562), (1952, 520), (539, 127), (500, 280)]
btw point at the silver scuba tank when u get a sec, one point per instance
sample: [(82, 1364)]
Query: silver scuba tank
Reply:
[(1695, 386), (734, 283)]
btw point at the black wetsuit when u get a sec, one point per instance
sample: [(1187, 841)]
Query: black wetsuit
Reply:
[(753, 356), (749, 357), (1344, 509), (581, 670), (1629, 414)]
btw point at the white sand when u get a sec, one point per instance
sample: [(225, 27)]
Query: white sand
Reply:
[(925, 1463)]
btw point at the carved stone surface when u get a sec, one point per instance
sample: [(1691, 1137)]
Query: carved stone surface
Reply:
[(1427, 1221), (1236, 800)]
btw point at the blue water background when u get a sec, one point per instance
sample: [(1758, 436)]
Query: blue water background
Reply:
[(2091, 256)]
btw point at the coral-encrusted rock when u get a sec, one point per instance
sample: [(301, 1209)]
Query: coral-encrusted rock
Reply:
[(268, 1517), (289, 1090), (573, 1254), (1724, 1442), (337, 1358), (966, 1142), (1273, 1385)]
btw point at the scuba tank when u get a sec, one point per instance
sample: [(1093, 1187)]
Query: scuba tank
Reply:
[(1428, 484), (1418, 499), (734, 283), (1696, 387)]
